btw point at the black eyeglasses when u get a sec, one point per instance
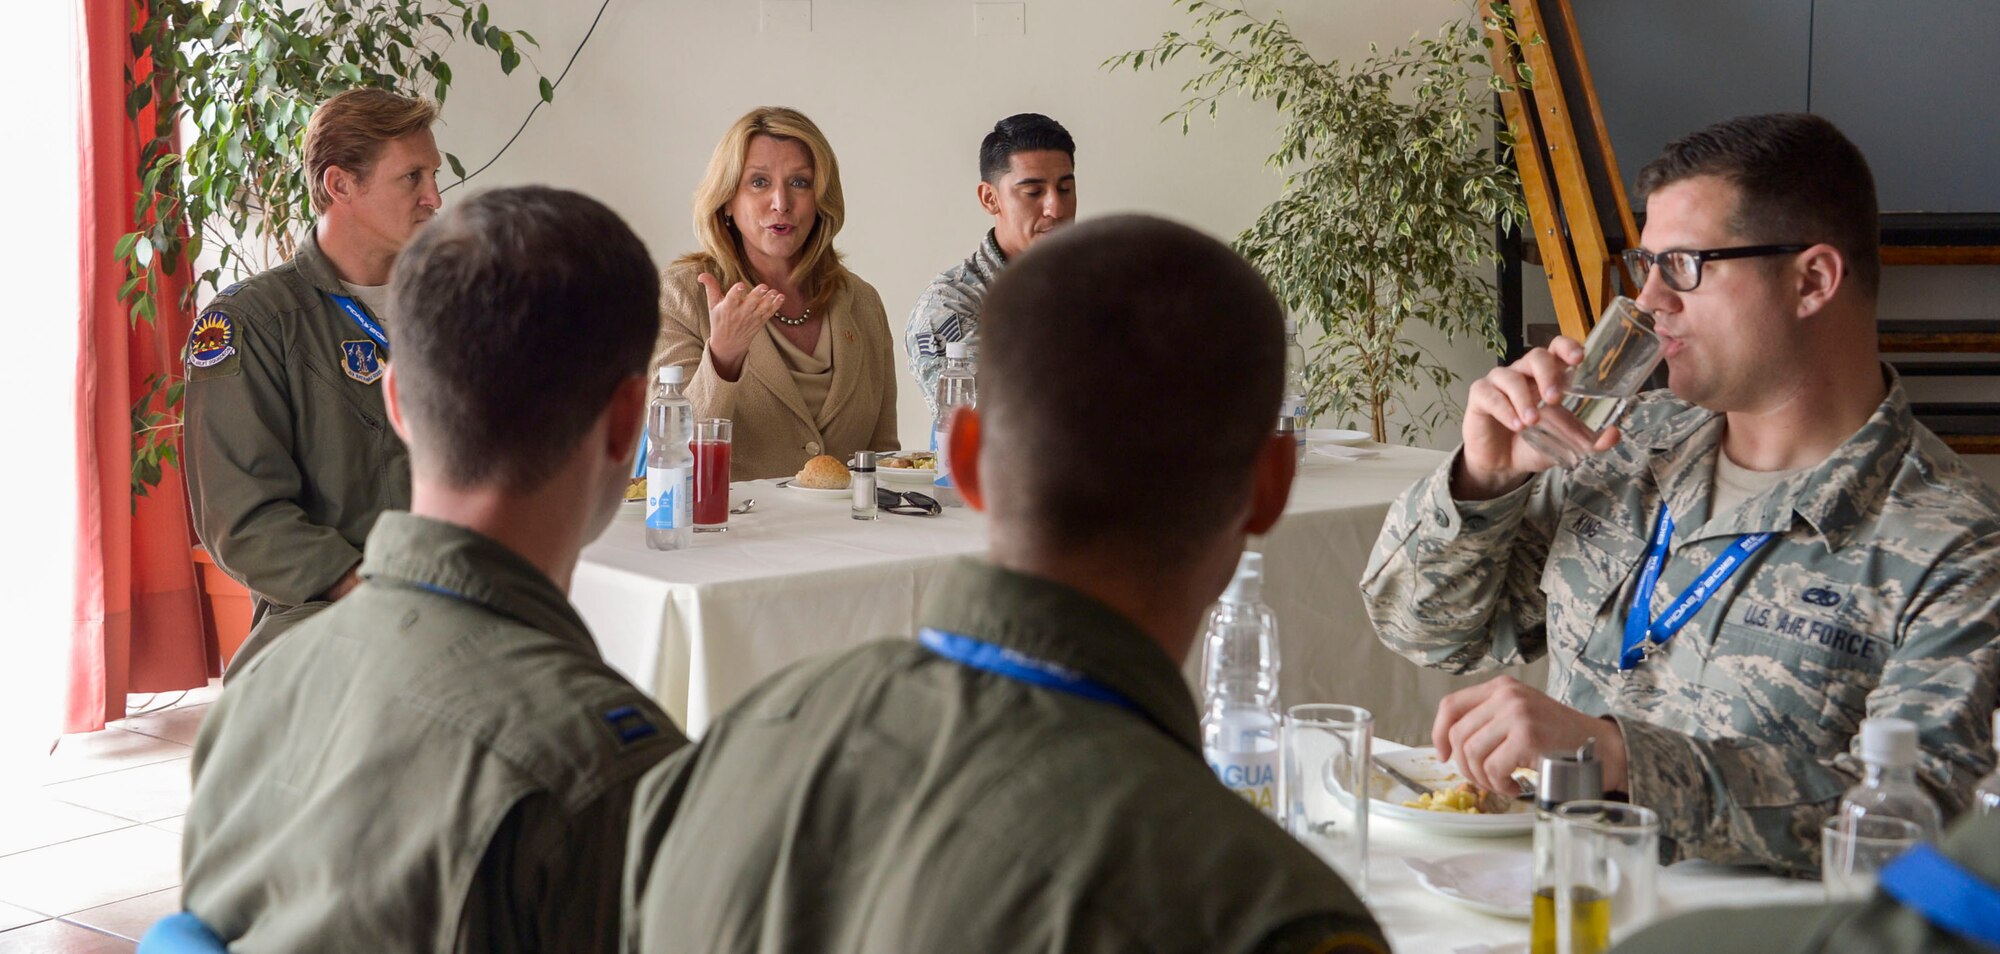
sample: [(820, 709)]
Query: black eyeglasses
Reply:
[(1680, 268), (907, 502)]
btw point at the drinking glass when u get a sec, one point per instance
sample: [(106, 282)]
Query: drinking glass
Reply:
[(711, 444), (1607, 860), (1854, 849), (1618, 355), (1325, 768)]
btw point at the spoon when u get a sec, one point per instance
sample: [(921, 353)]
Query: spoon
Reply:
[(749, 504)]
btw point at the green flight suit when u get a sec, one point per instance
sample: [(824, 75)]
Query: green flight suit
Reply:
[(889, 799), (289, 453), (441, 761), (1880, 925)]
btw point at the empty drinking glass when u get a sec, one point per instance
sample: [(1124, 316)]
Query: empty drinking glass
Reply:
[(1618, 355), (1326, 785)]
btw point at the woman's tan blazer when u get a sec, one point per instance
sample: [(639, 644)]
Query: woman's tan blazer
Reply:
[(775, 435)]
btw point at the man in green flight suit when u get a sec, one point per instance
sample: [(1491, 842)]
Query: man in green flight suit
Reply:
[(442, 760), (290, 457), (1027, 775), (1931, 901)]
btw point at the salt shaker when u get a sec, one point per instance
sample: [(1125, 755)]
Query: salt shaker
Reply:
[(862, 482)]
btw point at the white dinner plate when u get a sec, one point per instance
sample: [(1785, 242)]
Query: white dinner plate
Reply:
[(1500, 883), (815, 491), (1422, 765), (1329, 435)]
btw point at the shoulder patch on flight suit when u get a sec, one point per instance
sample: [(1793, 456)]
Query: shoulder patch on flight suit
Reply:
[(211, 348), (629, 724)]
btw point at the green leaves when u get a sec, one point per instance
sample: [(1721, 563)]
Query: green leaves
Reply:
[(1390, 201), (245, 75)]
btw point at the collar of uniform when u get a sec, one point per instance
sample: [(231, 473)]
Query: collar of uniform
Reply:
[(989, 249), (1832, 497), (316, 267), (408, 550), (1051, 622)]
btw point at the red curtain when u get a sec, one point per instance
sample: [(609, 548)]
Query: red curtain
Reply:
[(138, 612)]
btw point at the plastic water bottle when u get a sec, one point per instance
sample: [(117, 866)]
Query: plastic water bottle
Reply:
[(1240, 725), (1294, 410), (1986, 798), (669, 465), (956, 388), (1889, 749)]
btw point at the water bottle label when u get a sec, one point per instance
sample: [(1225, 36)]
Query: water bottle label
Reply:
[(669, 497), (1253, 775), (940, 438)]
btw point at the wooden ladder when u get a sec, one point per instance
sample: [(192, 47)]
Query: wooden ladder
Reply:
[(1581, 220)]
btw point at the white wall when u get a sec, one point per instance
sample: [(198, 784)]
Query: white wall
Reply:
[(905, 91)]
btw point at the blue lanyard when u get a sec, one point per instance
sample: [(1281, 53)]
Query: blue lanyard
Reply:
[(360, 316), (1944, 893), (1644, 637), (1020, 667)]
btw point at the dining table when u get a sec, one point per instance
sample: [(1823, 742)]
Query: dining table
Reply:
[(797, 576)]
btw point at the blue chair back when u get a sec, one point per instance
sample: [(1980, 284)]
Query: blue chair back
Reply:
[(181, 933)]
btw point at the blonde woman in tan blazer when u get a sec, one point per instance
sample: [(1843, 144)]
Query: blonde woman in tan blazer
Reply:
[(797, 350)]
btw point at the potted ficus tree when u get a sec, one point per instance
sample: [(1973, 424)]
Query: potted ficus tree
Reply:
[(1392, 193)]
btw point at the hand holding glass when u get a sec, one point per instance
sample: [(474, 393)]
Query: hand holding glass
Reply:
[(1620, 352)]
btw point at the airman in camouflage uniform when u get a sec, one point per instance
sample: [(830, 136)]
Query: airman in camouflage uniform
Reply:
[(1877, 595), (1880, 596)]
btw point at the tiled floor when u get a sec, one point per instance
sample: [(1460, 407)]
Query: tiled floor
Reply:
[(90, 850)]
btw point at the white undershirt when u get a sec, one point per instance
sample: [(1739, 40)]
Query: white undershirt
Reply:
[(1735, 484), (376, 297)]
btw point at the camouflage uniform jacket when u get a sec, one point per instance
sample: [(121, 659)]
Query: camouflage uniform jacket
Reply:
[(948, 311), (290, 456), (1879, 596)]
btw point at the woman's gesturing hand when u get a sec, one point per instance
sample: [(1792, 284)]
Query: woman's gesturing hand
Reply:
[(735, 319)]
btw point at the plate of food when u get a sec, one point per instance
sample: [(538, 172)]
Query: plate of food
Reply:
[(635, 490), (1454, 806), (906, 467), (823, 476), (1330, 435)]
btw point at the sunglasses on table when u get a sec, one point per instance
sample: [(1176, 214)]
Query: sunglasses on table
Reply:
[(1680, 268), (908, 503)]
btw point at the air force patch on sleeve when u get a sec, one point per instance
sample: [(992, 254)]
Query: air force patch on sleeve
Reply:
[(361, 360), (211, 346)]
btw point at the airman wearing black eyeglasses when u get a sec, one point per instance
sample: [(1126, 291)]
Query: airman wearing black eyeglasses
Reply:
[(1764, 553)]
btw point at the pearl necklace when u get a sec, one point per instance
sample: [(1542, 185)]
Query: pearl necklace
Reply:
[(794, 322)]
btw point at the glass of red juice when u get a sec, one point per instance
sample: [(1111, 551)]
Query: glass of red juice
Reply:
[(710, 446)]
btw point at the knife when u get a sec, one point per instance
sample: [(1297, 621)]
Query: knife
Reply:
[(1399, 778)]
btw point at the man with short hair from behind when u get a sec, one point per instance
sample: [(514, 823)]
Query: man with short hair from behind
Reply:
[(1027, 775), (290, 456), (1820, 556), (1027, 182), (442, 760)]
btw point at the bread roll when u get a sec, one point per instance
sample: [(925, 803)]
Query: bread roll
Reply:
[(823, 473)]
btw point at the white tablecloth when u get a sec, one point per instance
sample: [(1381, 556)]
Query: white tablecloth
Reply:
[(1417, 920), (798, 577)]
